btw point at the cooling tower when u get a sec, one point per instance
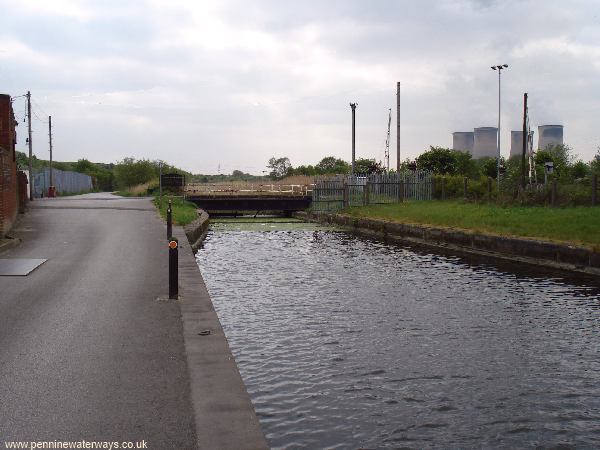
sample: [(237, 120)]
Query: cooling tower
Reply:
[(463, 141), (516, 143), (550, 135), (485, 142)]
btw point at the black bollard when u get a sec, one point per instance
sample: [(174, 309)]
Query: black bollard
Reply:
[(173, 269), (169, 221)]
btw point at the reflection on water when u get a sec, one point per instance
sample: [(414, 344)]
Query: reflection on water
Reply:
[(348, 343)]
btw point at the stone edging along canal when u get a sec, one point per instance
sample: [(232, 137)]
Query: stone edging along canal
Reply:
[(224, 414), (196, 231), (545, 253)]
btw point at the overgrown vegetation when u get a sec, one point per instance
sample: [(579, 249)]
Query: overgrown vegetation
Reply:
[(184, 212), (576, 225)]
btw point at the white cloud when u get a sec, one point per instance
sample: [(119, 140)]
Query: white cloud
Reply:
[(232, 83)]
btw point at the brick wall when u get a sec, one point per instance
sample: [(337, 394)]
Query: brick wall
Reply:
[(8, 166)]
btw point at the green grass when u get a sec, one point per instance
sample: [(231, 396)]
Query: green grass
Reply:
[(184, 212), (577, 225)]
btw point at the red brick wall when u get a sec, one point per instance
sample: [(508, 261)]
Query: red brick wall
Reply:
[(8, 166)]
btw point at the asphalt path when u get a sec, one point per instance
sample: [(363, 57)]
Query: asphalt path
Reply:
[(88, 351)]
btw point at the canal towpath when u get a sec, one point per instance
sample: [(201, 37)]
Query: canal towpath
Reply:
[(92, 349)]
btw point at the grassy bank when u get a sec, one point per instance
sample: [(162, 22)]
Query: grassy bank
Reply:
[(577, 225), (184, 212)]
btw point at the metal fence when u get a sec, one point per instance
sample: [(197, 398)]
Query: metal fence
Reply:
[(66, 182), (335, 193)]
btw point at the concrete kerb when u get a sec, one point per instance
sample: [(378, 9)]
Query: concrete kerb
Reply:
[(531, 251), (224, 414), (197, 230)]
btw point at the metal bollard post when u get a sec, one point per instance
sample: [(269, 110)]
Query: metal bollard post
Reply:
[(554, 197), (169, 221), (173, 269)]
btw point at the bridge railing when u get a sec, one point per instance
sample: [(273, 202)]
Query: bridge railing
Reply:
[(250, 189)]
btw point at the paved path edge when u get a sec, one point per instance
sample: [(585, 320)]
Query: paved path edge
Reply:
[(224, 414)]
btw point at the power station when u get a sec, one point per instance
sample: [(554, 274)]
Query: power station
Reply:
[(463, 141), (549, 136), (485, 142), (482, 142), (516, 143)]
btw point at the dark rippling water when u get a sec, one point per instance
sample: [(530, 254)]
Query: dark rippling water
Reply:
[(349, 343)]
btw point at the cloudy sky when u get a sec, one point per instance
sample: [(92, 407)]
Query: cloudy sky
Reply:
[(224, 85)]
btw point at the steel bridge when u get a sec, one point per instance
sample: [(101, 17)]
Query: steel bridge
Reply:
[(238, 198)]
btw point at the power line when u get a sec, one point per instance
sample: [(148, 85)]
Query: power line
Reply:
[(37, 117), (40, 108)]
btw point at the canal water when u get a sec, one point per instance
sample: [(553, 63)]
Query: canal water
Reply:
[(345, 342)]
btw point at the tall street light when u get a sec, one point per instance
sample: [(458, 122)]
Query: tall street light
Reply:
[(499, 69)]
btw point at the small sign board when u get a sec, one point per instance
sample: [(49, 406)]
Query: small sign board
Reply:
[(172, 180), (173, 245)]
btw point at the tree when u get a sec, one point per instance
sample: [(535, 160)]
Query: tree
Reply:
[(439, 160), (365, 166), (562, 157), (595, 163), (488, 167), (579, 170), (465, 164), (84, 166), (129, 172), (279, 167), (304, 170), (333, 165)]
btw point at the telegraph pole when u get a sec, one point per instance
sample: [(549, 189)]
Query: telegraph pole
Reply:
[(398, 127), (30, 147), (50, 136), (353, 106), (525, 140)]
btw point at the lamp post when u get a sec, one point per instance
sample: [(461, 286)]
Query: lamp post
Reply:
[(499, 69)]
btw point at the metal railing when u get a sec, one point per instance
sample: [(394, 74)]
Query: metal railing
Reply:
[(338, 192), (250, 189)]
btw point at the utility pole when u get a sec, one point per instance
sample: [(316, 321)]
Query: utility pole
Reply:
[(525, 140), (50, 137), (353, 106), (398, 127), (30, 148)]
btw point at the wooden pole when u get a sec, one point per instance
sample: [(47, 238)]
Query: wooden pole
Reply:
[(525, 137), (30, 145), (50, 141)]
